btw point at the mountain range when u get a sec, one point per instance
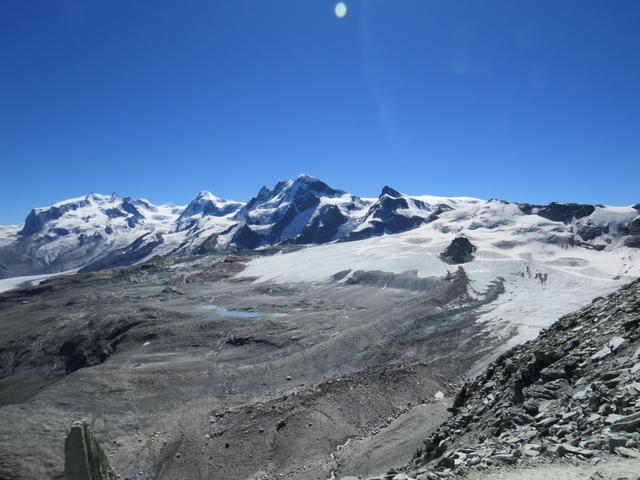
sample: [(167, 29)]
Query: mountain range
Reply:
[(312, 330), (99, 231)]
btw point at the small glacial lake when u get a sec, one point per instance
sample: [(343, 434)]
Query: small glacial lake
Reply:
[(223, 312)]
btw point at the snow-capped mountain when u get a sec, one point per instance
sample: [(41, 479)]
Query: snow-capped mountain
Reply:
[(98, 231), (395, 212), (203, 207), (75, 232), (304, 210)]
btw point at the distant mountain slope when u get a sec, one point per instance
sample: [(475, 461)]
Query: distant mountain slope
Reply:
[(8, 233), (75, 232), (105, 230), (394, 212)]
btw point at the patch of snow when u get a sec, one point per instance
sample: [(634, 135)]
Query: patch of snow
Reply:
[(8, 233), (7, 284)]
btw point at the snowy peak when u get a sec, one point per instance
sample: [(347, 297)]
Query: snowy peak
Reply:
[(386, 190), (302, 193), (205, 204), (304, 210), (395, 212)]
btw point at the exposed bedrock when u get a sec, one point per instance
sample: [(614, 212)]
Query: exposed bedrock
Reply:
[(632, 241), (559, 212), (83, 457), (460, 250)]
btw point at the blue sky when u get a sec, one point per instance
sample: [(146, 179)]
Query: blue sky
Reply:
[(525, 100)]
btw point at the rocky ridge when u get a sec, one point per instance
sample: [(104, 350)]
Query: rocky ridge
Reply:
[(571, 395), (84, 458)]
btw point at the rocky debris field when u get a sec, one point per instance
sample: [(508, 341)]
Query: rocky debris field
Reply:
[(570, 396)]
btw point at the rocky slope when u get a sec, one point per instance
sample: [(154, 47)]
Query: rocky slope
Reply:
[(98, 231), (571, 394)]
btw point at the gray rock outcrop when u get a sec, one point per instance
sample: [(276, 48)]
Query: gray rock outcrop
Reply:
[(83, 457), (460, 250)]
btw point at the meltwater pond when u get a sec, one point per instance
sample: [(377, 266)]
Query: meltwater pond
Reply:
[(223, 312)]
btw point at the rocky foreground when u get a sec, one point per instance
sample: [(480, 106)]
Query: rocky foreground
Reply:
[(570, 396)]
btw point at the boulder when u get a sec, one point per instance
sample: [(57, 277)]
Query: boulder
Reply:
[(630, 423), (632, 241), (460, 250), (628, 452)]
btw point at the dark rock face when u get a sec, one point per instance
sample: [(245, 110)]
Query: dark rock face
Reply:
[(115, 213), (386, 190), (83, 457), (633, 227), (632, 241), (36, 220), (130, 208), (572, 392), (565, 212), (60, 231), (247, 238), (93, 347), (460, 250), (324, 227), (208, 246), (138, 250), (591, 232), (32, 224), (558, 212)]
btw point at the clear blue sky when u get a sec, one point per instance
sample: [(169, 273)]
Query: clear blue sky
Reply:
[(526, 100)]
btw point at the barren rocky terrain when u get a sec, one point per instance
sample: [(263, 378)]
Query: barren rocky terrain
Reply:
[(186, 371)]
